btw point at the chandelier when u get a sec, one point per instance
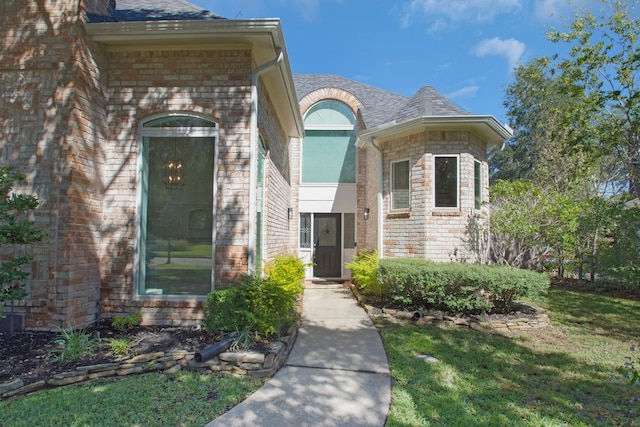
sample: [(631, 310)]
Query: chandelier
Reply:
[(174, 170)]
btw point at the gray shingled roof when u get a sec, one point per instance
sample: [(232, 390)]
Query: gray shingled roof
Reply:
[(154, 10), (428, 102), (381, 106)]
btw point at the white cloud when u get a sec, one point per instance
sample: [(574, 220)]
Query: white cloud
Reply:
[(465, 92), (447, 13), (546, 10), (511, 49)]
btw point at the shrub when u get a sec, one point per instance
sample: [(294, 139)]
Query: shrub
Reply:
[(457, 287), (227, 310), (130, 321), (263, 304), (364, 273), (119, 346)]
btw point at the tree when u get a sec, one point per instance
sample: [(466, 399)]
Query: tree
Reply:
[(603, 63), (16, 232)]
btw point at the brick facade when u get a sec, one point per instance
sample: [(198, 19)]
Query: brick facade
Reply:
[(70, 113)]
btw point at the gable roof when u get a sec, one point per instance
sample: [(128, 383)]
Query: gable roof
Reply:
[(378, 104), (153, 10)]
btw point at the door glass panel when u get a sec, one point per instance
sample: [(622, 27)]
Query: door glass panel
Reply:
[(327, 235)]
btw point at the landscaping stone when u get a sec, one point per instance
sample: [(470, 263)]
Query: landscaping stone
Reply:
[(13, 385)]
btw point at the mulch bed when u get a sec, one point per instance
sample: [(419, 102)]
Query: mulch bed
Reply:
[(30, 355)]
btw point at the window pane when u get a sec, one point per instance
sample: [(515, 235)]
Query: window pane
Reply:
[(446, 182), (477, 176), (400, 193), (178, 121), (305, 230), (349, 230), (329, 156), (177, 221)]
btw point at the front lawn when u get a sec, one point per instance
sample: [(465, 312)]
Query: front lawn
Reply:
[(555, 377)]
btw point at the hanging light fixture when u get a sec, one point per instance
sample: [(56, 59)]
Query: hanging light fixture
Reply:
[(174, 171)]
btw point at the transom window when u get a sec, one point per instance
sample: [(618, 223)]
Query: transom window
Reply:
[(328, 148), (446, 183), (400, 185), (176, 215)]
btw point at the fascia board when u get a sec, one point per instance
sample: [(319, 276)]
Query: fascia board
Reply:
[(487, 127)]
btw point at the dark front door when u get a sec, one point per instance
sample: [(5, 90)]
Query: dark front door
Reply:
[(327, 256)]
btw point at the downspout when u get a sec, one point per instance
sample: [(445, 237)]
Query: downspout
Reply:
[(379, 201), (253, 160)]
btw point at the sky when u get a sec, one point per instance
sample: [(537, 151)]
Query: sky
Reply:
[(465, 49)]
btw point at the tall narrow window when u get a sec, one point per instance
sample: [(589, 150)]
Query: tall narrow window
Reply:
[(305, 230), (446, 182), (400, 181), (176, 221), (477, 184)]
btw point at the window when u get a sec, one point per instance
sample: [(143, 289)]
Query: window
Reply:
[(400, 179), (446, 181), (328, 148), (176, 206), (305, 230), (477, 184), (349, 225)]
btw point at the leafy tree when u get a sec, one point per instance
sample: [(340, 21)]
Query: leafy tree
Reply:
[(603, 63), (16, 231)]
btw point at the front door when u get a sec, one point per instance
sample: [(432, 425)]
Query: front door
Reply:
[(326, 247)]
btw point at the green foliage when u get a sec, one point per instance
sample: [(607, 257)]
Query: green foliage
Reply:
[(119, 346), (457, 288), (15, 231), (364, 272), (73, 344), (228, 309), (130, 321), (262, 304)]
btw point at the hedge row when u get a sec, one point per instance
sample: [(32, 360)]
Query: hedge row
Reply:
[(456, 288)]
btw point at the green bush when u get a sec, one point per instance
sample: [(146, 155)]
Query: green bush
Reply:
[(130, 321), (364, 273), (457, 288), (227, 310), (263, 304)]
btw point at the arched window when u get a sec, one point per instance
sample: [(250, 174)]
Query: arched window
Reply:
[(176, 217), (328, 148)]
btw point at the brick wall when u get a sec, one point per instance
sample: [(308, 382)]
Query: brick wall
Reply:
[(426, 232), (51, 106)]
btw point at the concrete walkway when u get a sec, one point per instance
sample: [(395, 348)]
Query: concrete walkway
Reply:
[(336, 375)]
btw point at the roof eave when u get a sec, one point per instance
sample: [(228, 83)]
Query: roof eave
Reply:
[(263, 36), (486, 127)]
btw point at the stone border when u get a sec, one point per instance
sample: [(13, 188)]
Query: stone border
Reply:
[(243, 363), (501, 324)]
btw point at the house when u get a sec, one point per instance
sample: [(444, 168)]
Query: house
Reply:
[(173, 151)]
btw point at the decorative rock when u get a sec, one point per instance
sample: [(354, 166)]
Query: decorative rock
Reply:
[(146, 357), (175, 368), (101, 374), (244, 357), (26, 389), (10, 386), (99, 368), (251, 366), (192, 364), (276, 347), (268, 361), (130, 370), (67, 380)]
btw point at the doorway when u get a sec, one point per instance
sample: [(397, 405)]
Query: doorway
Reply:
[(327, 243)]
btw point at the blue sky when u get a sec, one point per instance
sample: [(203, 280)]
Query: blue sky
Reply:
[(465, 49)]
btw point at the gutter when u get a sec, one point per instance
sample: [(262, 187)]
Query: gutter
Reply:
[(379, 197), (253, 158)]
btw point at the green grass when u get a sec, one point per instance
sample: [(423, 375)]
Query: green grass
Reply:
[(556, 377), (189, 399)]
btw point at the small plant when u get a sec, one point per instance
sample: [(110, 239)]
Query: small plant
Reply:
[(364, 272), (121, 323), (629, 373), (119, 346), (243, 339), (74, 344)]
